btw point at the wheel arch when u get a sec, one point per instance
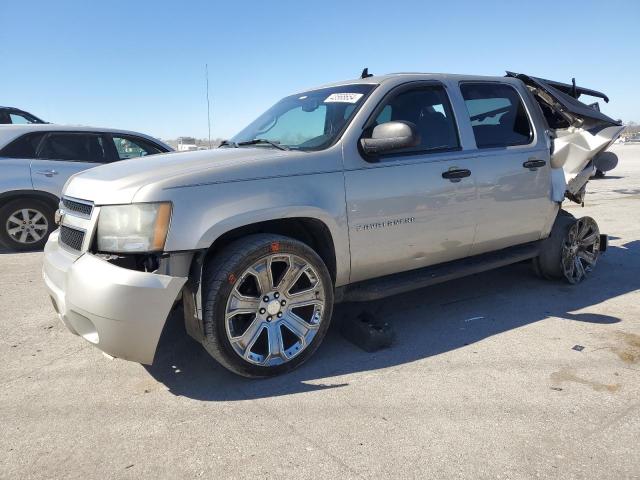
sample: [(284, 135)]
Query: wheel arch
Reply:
[(309, 230), (46, 197), (320, 232)]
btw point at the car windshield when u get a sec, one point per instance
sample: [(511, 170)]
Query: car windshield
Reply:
[(306, 121)]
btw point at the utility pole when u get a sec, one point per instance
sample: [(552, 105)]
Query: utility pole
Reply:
[(206, 71)]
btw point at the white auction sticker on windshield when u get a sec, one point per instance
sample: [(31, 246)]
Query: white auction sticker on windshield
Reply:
[(343, 97)]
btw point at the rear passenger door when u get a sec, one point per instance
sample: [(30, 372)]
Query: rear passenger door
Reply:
[(511, 169), (403, 210), (62, 154)]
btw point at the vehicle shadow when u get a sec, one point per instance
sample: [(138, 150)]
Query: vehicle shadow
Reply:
[(607, 177), (7, 251), (427, 322)]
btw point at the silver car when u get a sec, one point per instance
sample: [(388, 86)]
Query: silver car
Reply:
[(36, 161), (351, 191)]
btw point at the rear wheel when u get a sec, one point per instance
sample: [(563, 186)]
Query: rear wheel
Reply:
[(571, 251), (268, 301), (25, 224)]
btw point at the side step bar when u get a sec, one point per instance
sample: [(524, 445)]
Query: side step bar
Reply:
[(397, 283)]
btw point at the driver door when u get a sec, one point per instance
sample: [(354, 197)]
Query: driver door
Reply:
[(403, 213)]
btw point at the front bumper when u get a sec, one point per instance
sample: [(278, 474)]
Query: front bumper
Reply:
[(120, 311)]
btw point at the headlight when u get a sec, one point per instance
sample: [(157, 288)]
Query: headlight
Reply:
[(138, 227)]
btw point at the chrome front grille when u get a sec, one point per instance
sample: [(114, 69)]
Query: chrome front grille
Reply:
[(71, 238), (74, 206)]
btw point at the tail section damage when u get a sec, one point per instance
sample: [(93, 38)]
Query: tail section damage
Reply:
[(579, 132)]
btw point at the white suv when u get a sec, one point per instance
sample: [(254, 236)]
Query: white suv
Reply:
[(37, 160)]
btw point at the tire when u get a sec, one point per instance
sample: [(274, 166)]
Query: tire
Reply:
[(253, 328), (571, 250), (605, 162), (25, 224), (599, 174)]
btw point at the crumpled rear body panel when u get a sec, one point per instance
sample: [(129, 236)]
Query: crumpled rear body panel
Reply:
[(574, 148), (580, 133)]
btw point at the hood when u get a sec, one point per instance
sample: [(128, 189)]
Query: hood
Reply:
[(145, 179)]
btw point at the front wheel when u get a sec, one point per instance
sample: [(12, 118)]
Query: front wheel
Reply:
[(268, 301)]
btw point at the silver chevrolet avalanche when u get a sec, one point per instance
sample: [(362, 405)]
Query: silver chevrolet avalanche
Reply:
[(348, 192)]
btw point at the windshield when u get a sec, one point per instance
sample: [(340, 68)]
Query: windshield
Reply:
[(306, 121)]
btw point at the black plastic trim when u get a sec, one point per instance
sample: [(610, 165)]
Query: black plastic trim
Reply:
[(398, 283)]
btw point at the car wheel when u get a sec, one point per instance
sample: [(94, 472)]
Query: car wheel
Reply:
[(25, 224), (571, 251), (268, 301)]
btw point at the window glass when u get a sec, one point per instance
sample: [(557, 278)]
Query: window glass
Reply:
[(132, 147), (429, 110), (308, 121), (384, 116), (74, 147), (18, 119), (348, 111), (295, 126), (23, 147), (498, 116)]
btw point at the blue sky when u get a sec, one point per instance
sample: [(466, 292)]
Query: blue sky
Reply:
[(140, 64)]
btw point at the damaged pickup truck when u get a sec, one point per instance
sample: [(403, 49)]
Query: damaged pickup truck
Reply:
[(347, 192)]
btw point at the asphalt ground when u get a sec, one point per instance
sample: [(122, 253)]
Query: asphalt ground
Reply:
[(498, 375)]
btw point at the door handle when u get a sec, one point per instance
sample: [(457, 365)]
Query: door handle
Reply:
[(47, 173), (534, 163), (456, 174)]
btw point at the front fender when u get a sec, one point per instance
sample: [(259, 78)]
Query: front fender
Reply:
[(203, 213)]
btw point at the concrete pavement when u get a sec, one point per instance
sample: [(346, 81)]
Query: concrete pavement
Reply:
[(486, 380)]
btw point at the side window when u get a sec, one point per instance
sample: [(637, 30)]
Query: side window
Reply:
[(132, 147), (18, 119), (384, 116), (428, 108), (75, 147), (498, 116), (23, 147)]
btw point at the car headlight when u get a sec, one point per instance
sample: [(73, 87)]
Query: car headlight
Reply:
[(134, 228)]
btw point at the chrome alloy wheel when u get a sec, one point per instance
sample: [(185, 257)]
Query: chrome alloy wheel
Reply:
[(580, 249), (275, 309), (27, 225)]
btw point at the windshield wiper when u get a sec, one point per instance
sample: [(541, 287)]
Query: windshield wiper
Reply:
[(257, 141), (228, 143)]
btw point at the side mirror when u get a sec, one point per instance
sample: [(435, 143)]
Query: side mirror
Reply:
[(390, 136)]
